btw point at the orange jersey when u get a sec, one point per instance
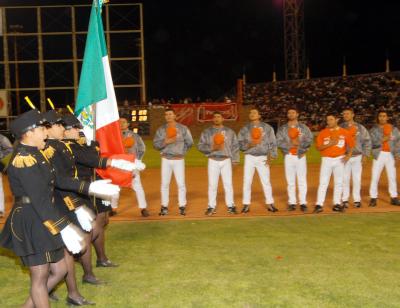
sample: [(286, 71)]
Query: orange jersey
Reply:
[(293, 133), (387, 131), (340, 134)]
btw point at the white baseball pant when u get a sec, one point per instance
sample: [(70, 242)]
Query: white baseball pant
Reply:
[(138, 188), (296, 167), (352, 169), (176, 166), (387, 161), (215, 169), (252, 163), (331, 165)]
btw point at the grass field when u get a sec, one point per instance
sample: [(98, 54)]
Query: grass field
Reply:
[(308, 261), (194, 158)]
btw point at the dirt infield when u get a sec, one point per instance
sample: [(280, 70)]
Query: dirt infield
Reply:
[(196, 181)]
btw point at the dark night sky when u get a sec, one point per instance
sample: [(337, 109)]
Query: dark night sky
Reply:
[(199, 48)]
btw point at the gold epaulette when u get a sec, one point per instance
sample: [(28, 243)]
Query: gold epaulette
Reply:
[(81, 141), (22, 161), (49, 152)]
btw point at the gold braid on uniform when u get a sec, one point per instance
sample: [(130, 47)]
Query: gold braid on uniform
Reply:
[(81, 141), (52, 227), (67, 144), (49, 152), (22, 161)]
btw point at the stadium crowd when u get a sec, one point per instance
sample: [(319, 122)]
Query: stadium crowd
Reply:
[(317, 97)]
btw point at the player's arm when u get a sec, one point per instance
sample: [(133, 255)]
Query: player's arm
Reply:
[(366, 142), (242, 139), (140, 146), (204, 145), (159, 139), (187, 139), (273, 149), (281, 140), (235, 149)]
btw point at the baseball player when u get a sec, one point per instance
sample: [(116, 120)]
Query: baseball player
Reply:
[(6, 149), (333, 142), (257, 141), (385, 150), (294, 139), (134, 144), (173, 140), (220, 145), (361, 152)]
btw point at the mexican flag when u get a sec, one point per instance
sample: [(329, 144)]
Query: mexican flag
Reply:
[(96, 105)]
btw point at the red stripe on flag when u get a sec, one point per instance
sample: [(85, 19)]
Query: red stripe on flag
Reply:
[(110, 140)]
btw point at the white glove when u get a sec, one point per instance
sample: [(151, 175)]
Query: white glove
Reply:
[(114, 201), (85, 217), (123, 164), (103, 189), (139, 165), (72, 238)]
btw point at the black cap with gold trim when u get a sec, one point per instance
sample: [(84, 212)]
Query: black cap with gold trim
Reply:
[(27, 121), (71, 121)]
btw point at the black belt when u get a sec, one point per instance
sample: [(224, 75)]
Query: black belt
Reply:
[(23, 200)]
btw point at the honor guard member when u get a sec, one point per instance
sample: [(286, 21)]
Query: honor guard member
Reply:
[(294, 139), (173, 140), (87, 158), (257, 141), (134, 144), (361, 152), (69, 203), (385, 150), (35, 230), (219, 143), (333, 142)]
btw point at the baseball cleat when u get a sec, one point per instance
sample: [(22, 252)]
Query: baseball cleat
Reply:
[(182, 210), (395, 201), (291, 207), (345, 204), (145, 213), (372, 202), (271, 208), (232, 210), (210, 211), (163, 211), (246, 208), (357, 205), (318, 209), (303, 208), (338, 208)]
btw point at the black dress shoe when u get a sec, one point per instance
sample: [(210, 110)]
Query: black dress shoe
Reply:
[(106, 263), (79, 302), (345, 204), (303, 208), (372, 202), (145, 213), (246, 208), (291, 207), (93, 281), (271, 208), (357, 205), (318, 209), (53, 296), (395, 201), (232, 210)]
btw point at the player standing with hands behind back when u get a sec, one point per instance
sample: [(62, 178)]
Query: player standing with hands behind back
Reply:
[(220, 145), (173, 140)]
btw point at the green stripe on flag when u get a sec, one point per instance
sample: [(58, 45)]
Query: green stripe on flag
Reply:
[(92, 85)]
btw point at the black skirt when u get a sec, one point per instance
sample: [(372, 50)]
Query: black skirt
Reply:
[(25, 234), (43, 258)]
